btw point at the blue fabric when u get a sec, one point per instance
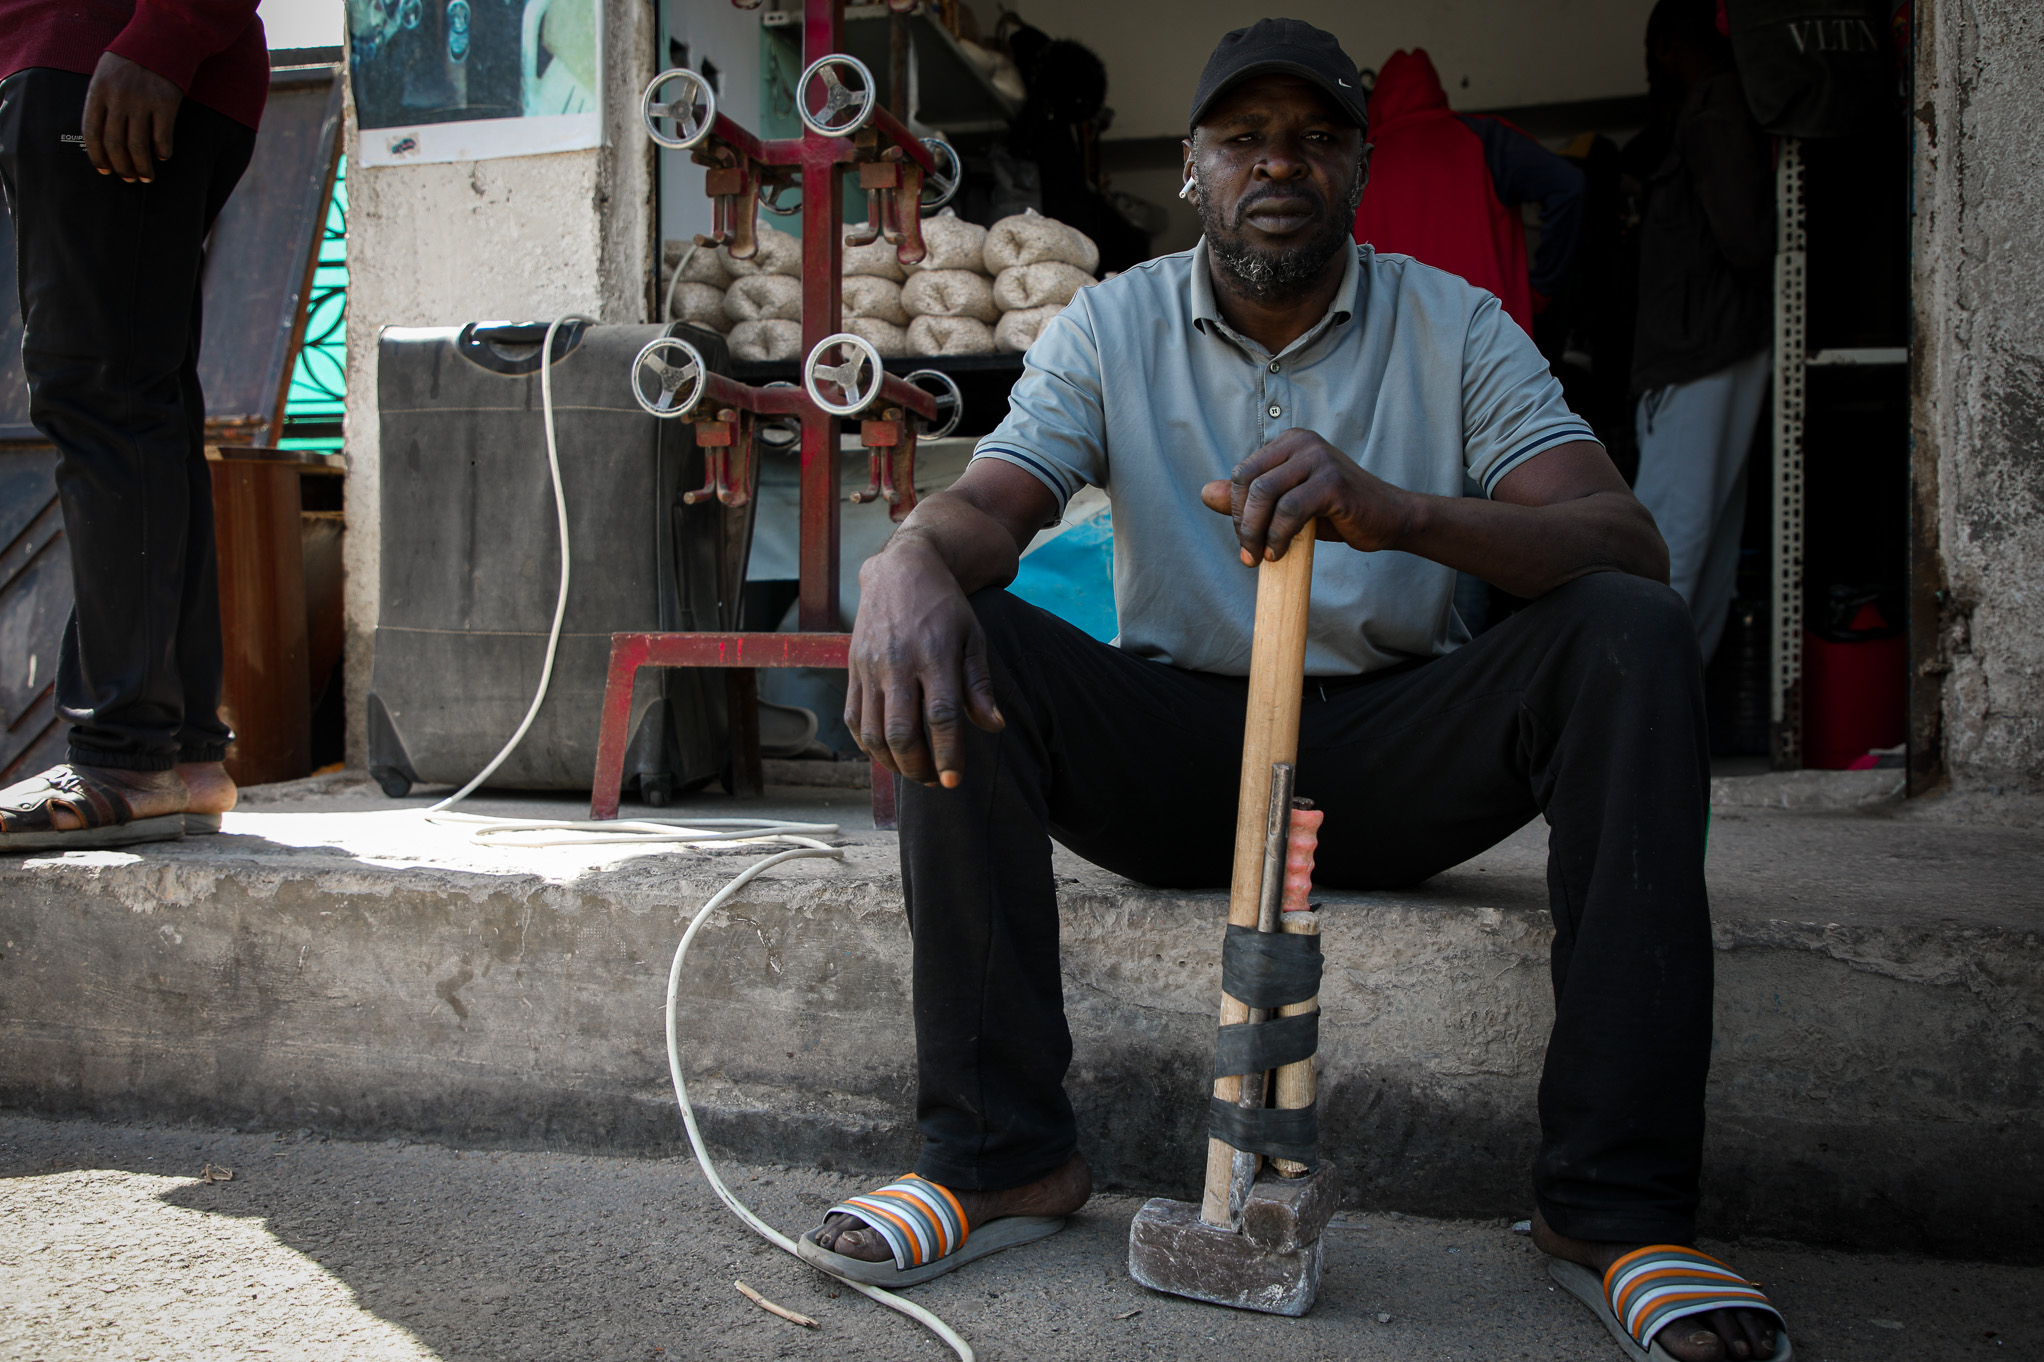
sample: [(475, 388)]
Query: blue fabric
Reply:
[(1073, 577)]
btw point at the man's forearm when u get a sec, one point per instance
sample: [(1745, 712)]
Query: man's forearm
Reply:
[(974, 547), (1530, 550)]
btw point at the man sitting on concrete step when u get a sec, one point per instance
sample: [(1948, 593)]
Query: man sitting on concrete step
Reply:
[(1223, 396)]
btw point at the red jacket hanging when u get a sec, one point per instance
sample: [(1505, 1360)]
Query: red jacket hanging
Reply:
[(1432, 194)]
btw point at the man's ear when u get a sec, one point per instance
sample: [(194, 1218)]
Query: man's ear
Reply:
[(1191, 185)]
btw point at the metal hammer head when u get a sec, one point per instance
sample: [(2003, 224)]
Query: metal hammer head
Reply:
[(1272, 1263)]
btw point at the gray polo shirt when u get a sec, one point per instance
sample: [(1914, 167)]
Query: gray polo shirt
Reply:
[(1140, 388)]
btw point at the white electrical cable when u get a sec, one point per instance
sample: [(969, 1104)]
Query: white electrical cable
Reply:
[(553, 639), (664, 831), (773, 1236), (667, 308)]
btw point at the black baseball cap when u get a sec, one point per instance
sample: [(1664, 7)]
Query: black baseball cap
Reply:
[(1291, 46)]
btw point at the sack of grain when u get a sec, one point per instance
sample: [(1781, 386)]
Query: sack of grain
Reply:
[(779, 253), (951, 243), (701, 305), (1029, 236), (771, 341), (699, 264), (890, 340), (1047, 283), (950, 293), (876, 259), (758, 297), (866, 296), (949, 336), (1018, 331)]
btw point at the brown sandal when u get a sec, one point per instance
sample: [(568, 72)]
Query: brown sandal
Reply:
[(106, 819)]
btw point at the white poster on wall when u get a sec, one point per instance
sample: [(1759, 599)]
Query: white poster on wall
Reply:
[(463, 80)]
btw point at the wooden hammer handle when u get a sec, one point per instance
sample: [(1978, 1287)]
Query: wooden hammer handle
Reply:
[(1270, 733)]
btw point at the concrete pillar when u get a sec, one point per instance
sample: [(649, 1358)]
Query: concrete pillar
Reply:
[(520, 238), (1979, 384)]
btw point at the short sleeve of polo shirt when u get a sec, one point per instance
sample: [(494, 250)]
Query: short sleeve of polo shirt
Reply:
[(1055, 427), (1512, 405)]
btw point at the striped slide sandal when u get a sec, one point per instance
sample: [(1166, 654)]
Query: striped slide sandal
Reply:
[(1650, 1288), (925, 1228)]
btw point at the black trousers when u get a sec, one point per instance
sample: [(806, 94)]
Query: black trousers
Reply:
[(109, 279), (1586, 706)]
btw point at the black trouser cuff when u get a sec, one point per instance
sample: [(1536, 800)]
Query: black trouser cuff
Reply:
[(1617, 1225), (80, 755), (210, 752), (1002, 1176)]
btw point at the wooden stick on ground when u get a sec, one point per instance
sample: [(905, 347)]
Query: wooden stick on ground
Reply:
[(763, 1303)]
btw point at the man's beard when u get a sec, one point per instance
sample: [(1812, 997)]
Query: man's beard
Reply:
[(1279, 276)]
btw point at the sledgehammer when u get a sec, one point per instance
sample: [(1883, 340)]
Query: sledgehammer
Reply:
[(1254, 1241)]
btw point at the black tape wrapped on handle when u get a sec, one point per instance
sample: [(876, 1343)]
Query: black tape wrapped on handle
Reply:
[(1281, 1132), (1270, 969), (1253, 1047)]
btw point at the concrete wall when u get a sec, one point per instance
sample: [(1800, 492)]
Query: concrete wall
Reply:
[(1490, 55), (1980, 374), (518, 238)]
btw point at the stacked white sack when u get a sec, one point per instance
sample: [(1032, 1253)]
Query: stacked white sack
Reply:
[(1029, 237), (1039, 263), (778, 253), (764, 297), (872, 297), (769, 340), (948, 299), (951, 243)]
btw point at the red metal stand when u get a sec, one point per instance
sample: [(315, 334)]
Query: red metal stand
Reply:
[(892, 163), (629, 652)]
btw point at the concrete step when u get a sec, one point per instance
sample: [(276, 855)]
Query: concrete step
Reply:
[(333, 962)]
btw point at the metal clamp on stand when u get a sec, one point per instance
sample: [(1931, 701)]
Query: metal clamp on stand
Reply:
[(837, 97), (679, 110), (843, 376)]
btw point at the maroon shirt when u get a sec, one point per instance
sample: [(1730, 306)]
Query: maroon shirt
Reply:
[(213, 50)]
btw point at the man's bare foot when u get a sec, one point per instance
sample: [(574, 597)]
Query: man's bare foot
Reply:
[(1060, 1193), (1739, 1335), (212, 789), (150, 794)]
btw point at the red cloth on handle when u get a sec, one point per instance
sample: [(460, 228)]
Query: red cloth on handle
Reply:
[(213, 50)]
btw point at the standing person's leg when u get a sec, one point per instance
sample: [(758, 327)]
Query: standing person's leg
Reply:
[(1693, 439), (109, 276), (203, 737), (1130, 763), (1745, 389)]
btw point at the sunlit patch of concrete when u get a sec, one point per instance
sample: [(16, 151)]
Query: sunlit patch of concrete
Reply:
[(102, 1264)]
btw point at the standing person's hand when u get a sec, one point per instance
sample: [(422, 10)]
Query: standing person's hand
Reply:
[(129, 114)]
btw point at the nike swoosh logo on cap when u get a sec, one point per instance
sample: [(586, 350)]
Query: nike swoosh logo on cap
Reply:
[(1342, 83)]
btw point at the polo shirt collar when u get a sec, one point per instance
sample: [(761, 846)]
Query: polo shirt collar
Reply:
[(1207, 313)]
